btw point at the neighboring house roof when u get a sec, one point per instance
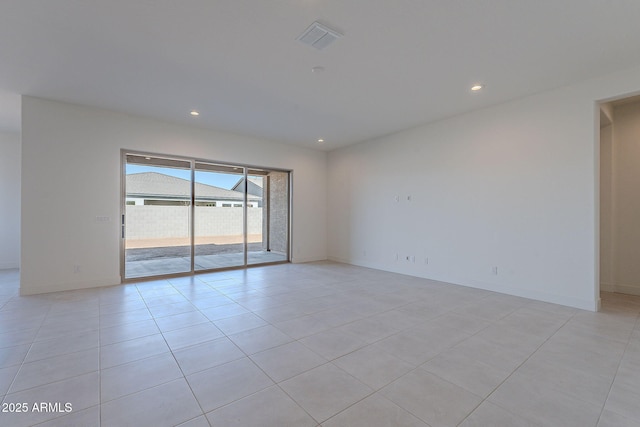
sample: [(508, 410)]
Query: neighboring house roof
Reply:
[(158, 185), (255, 186)]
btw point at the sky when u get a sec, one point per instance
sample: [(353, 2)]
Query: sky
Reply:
[(221, 180)]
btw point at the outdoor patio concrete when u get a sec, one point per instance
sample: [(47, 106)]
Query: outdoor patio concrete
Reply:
[(160, 266)]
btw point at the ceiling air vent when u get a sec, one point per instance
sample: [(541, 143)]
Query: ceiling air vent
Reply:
[(319, 36)]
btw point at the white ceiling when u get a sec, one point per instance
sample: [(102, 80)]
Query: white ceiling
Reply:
[(399, 64)]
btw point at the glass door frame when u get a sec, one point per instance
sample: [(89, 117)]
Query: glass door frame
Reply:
[(193, 161), (220, 168)]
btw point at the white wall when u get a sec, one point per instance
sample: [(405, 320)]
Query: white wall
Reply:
[(9, 200), (606, 208), (626, 196), (71, 175), (513, 186)]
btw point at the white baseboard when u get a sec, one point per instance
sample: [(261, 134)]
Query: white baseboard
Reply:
[(301, 260), (9, 265), (607, 287), (31, 289), (620, 289), (591, 305)]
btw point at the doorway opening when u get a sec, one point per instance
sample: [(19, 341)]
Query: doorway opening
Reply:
[(619, 197), (181, 216)]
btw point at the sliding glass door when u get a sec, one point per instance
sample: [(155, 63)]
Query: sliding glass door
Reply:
[(158, 216), (219, 216), (186, 215)]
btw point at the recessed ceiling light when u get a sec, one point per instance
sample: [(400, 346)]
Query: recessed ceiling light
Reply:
[(317, 69), (321, 141), (477, 87), (147, 158), (194, 113)]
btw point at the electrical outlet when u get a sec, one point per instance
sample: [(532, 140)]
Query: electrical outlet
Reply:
[(426, 260), (494, 270), (76, 269)]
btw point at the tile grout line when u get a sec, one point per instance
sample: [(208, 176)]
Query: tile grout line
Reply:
[(489, 324), (23, 363), (340, 325), (604, 404), (275, 383), (100, 359), (295, 302), (27, 353), (246, 355), (184, 377), (516, 369)]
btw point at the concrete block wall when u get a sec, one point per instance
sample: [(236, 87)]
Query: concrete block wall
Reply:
[(279, 212), (156, 222)]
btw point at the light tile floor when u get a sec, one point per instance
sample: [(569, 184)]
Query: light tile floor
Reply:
[(315, 344)]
